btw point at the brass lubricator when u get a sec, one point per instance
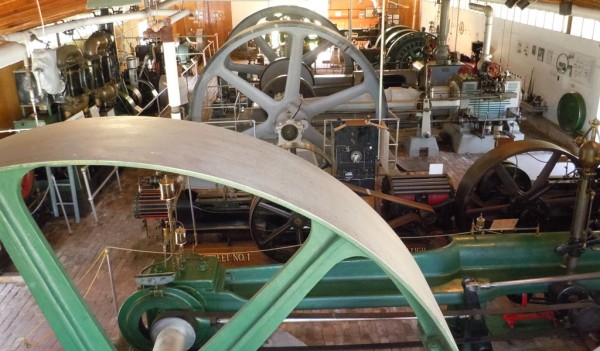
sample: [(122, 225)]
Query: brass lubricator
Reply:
[(478, 225), (589, 157), (173, 235)]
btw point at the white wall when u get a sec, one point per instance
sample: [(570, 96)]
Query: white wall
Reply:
[(242, 9), (508, 38)]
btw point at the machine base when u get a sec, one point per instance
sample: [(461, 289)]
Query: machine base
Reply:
[(416, 144), (465, 142)]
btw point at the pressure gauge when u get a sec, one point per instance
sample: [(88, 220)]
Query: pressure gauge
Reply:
[(356, 156)]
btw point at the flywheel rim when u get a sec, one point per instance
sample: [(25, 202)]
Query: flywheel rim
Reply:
[(494, 160)]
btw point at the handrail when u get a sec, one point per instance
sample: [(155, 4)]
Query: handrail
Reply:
[(91, 195)]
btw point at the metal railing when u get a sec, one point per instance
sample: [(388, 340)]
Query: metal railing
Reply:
[(92, 195)]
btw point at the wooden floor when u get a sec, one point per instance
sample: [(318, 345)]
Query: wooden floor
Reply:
[(23, 327)]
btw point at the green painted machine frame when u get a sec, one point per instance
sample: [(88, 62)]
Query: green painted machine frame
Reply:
[(344, 226), (206, 286)]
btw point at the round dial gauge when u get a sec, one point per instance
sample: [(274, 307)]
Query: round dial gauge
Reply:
[(356, 156)]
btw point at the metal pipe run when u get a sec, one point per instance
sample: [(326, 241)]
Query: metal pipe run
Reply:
[(488, 11), (443, 51), (25, 36), (11, 53)]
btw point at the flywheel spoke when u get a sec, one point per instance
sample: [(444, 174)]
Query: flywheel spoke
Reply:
[(243, 68), (273, 209), (313, 135), (266, 49), (262, 99), (315, 106), (276, 234), (310, 57), (542, 180), (250, 327), (292, 85), (510, 186), (300, 235)]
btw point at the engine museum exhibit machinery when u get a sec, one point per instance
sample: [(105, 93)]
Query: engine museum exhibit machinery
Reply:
[(66, 82), (291, 103), (347, 261), (87, 78), (476, 103), (349, 255), (84, 80), (487, 99)]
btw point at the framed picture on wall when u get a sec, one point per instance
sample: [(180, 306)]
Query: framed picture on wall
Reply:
[(369, 12), (361, 14), (540, 54), (549, 57)]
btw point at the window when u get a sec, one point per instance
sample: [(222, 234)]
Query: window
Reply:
[(587, 31), (517, 14), (586, 28), (540, 19), (549, 20), (524, 16), (596, 31), (504, 12), (559, 22), (576, 26)]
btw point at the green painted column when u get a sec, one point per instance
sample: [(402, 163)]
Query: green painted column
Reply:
[(260, 317), (73, 323)]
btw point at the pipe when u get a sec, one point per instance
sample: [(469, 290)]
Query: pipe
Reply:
[(25, 36), (172, 19), (179, 15), (543, 280), (488, 11), (29, 85), (166, 4), (97, 44), (171, 66), (11, 53), (443, 51)]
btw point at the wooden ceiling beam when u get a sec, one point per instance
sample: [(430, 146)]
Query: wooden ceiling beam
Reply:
[(19, 15)]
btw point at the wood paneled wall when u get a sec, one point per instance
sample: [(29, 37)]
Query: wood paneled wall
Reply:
[(10, 109), (365, 16), (215, 19)]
